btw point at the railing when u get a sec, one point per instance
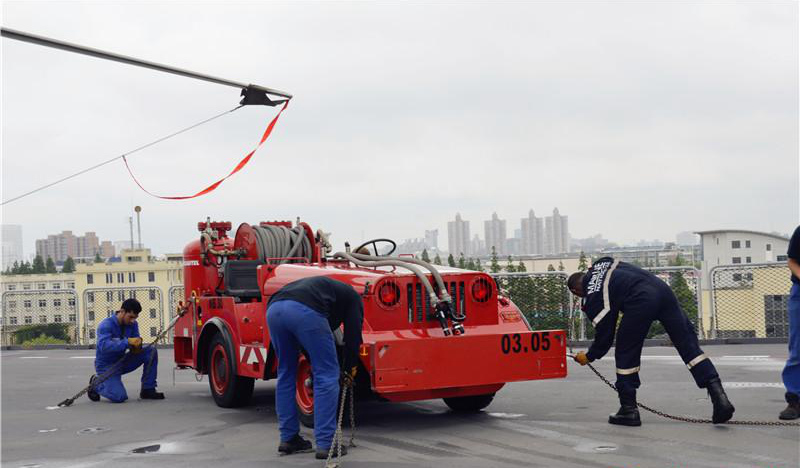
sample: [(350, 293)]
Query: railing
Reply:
[(750, 301)]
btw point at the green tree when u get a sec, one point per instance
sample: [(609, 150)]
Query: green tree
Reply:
[(38, 265), (50, 266), (471, 264), (15, 268), (521, 267), (560, 265), (462, 262), (478, 266), (69, 265), (425, 257), (451, 261), (98, 258), (510, 265), (583, 263), (494, 266), (550, 267), (437, 260), (25, 268)]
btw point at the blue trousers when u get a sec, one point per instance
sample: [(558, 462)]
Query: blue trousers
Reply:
[(791, 372), (293, 325), (113, 389)]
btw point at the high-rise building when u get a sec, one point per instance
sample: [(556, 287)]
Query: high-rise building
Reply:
[(107, 249), (556, 230), (432, 239), (11, 242), (458, 236), (477, 246), (532, 234), (495, 234), (60, 246)]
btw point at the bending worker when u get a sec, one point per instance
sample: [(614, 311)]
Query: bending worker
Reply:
[(612, 288), (115, 335), (302, 315)]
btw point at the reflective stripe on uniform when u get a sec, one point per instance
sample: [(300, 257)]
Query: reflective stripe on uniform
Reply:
[(630, 371), (606, 301), (696, 361)]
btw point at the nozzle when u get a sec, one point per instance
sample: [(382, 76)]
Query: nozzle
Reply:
[(458, 329)]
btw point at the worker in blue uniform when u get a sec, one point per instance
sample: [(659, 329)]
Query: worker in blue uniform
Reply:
[(611, 289), (116, 335), (303, 314), (791, 371)]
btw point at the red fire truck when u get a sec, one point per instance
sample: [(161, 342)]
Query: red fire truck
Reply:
[(429, 331)]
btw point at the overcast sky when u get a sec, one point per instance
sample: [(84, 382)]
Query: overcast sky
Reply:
[(637, 120)]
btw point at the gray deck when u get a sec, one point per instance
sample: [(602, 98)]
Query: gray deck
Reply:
[(541, 423)]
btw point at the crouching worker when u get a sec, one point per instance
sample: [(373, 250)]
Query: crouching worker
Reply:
[(303, 314), (115, 335), (611, 288)]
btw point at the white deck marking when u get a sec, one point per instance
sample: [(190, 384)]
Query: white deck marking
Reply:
[(752, 384), (33, 357), (81, 357)]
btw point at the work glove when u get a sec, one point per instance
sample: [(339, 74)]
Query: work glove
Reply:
[(581, 358), (134, 343)]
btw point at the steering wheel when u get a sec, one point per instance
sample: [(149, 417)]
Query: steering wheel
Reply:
[(374, 243)]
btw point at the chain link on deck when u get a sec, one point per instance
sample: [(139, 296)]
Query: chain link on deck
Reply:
[(336, 446), (687, 418)]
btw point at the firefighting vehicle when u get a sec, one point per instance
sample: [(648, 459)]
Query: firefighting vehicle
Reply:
[(429, 331)]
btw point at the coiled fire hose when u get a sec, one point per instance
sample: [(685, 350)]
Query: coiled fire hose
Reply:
[(280, 242), (686, 418), (116, 366)]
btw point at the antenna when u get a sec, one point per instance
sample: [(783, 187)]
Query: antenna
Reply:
[(130, 221), (138, 209)]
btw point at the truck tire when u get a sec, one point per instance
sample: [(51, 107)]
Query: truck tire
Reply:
[(228, 389), (304, 391), (469, 404)]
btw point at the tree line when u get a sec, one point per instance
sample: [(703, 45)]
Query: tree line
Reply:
[(39, 266)]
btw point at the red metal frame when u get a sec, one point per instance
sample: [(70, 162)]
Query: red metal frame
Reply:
[(405, 354)]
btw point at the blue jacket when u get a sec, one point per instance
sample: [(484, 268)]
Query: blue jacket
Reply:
[(112, 341)]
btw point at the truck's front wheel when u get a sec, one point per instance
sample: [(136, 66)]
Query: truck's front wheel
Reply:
[(228, 389), (469, 404)]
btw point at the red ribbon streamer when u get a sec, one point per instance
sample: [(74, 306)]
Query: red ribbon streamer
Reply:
[(216, 184)]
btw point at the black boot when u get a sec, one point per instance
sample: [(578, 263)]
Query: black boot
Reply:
[(723, 409), (92, 392), (792, 411), (296, 444), (150, 394), (628, 414)]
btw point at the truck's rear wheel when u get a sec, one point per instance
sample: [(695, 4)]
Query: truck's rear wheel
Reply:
[(469, 404), (305, 392), (228, 389)]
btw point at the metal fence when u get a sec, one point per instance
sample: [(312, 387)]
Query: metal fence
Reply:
[(750, 301), (46, 316), (100, 303), (175, 295), (546, 302), (544, 299)]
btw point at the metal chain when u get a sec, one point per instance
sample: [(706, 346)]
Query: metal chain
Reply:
[(337, 436), (694, 420)]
